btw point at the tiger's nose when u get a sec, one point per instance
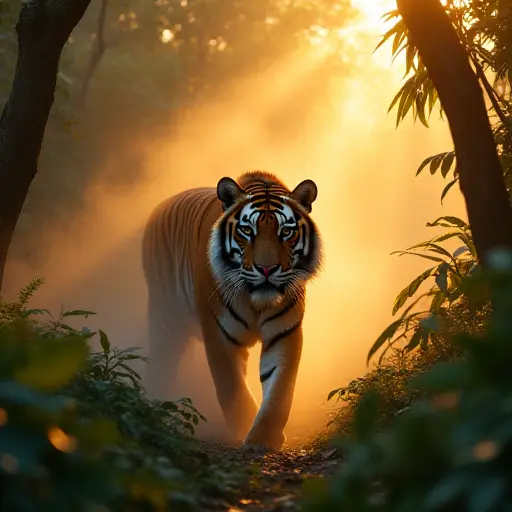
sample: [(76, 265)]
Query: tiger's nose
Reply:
[(266, 270)]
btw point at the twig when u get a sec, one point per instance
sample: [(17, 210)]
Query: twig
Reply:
[(97, 52)]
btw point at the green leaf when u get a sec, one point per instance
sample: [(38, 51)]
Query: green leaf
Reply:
[(466, 239), (437, 300), (333, 393), (460, 250), (105, 342), (78, 312), (30, 312), (405, 101), (436, 162), (438, 249), (432, 96), (410, 53), (387, 334), (366, 415), (442, 282), (420, 108), (415, 339), (420, 255), (399, 38), (19, 394), (410, 290), (447, 163), (451, 220), (398, 28), (53, 363), (447, 188), (442, 277), (444, 237), (424, 164), (169, 406)]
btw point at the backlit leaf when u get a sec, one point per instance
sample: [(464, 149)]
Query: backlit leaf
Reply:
[(410, 290), (386, 335)]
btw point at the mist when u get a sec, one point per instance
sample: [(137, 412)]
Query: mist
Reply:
[(369, 204)]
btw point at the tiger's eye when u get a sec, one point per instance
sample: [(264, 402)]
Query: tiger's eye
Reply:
[(246, 230), (286, 231)]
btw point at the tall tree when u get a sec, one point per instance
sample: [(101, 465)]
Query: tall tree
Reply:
[(43, 28), (481, 178)]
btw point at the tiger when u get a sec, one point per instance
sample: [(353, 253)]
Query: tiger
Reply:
[(230, 266)]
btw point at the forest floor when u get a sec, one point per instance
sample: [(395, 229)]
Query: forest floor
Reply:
[(274, 482)]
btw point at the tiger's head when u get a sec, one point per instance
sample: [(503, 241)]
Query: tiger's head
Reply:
[(265, 242)]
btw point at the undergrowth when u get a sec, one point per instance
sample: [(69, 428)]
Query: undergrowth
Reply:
[(77, 430), (390, 377), (449, 444)]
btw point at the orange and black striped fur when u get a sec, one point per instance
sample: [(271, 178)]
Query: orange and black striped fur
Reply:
[(230, 266)]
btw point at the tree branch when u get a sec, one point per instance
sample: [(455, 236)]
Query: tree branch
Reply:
[(43, 28), (491, 93), (480, 174), (97, 52)]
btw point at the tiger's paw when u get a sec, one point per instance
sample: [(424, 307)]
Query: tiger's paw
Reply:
[(262, 445), (258, 450)]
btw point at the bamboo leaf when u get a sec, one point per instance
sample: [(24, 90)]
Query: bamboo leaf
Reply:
[(447, 188), (452, 220), (447, 163), (410, 290), (424, 164), (415, 340), (386, 335)]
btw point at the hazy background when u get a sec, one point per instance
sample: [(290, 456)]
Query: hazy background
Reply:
[(297, 113)]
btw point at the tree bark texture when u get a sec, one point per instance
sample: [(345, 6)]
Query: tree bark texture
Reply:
[(480, 173), (43, 28)]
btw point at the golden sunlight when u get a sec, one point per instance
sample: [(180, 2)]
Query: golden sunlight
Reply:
[(372, 10), (166, 36), (370, 203)]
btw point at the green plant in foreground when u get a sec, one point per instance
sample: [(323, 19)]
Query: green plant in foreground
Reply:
[(77, 430), (448, 271), (451, 451)]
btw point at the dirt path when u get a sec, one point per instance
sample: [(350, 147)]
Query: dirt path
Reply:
[(274, 482)]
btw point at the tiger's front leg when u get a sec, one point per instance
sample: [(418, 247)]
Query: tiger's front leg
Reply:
[(227, 360), (279, 364)]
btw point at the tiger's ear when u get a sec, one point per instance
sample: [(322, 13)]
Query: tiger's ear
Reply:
[(228, 192), (305, 194)]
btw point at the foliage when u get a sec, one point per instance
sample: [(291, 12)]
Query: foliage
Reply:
[(417, 328), (483, 28), (430, 426), (77, 429), (450, 451), (160, 59), (391, 376)]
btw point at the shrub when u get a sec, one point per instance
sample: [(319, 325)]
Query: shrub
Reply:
[(77, 430), (452, 449)]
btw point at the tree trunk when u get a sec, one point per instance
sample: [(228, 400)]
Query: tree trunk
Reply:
[(481, 177), (43, 28)]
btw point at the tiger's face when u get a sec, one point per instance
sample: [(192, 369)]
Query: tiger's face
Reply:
[(265, 243)]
